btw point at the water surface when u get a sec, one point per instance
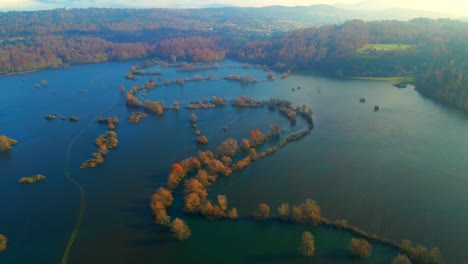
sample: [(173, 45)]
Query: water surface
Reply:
[(400, 172)]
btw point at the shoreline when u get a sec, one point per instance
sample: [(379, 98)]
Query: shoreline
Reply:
[(21, 72), (394, 79)]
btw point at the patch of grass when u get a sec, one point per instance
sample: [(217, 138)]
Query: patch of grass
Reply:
[(382, 47), (393, 79)]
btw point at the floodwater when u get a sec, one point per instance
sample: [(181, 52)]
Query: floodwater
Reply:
[(400, 172)]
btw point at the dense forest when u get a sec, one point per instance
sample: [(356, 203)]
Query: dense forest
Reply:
[(432, 54)]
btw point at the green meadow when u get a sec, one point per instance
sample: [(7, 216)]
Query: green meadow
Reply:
[(382, 47)]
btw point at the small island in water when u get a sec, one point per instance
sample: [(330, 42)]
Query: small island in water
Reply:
[(6, 143), (32, 179)]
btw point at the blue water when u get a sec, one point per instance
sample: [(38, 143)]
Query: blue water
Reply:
[(401, 172)]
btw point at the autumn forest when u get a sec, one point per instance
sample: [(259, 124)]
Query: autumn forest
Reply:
[(429, 53)]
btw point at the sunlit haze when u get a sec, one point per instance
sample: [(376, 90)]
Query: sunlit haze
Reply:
[(455, 7)]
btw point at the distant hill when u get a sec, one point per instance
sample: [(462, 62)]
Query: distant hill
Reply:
[(318, 15), (383, 7), (217, 5)]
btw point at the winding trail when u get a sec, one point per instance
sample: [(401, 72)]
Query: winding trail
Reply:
[(77, 184)]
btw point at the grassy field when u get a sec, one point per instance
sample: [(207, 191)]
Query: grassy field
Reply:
[(382, 47), (394, 79)]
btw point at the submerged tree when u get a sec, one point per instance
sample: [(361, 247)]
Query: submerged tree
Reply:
[(193, 118), (175, 176), (205, 178), (202, 140), (232, 214), (180, 229), (154, 106), (359, 247), (190, 164), (3, 242), (159, 212), (162, 195), (6, 143), (215, 167), (245, 145), (195, 195), (401, 259), (283, 212), (228, 147), (275, 130), (307, 244), (262, 212), (311, 212), (420, 254), (222, 202), (257, 138), (271, 76), (306, 212), (193, 202)]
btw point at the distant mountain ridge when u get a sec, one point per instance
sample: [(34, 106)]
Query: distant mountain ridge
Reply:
[(317, 15), (313, 15)]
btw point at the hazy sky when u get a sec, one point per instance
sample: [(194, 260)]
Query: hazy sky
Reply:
[(458, 7)]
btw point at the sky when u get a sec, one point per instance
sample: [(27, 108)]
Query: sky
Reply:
[(456, 7)]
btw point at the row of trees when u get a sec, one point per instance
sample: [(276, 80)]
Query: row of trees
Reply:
[(54, 51), (202, 140), (161, 199), (307, 212), (358, 247), (103, 143), (206, 168)]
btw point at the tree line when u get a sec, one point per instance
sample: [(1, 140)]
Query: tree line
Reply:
[(436, 57)]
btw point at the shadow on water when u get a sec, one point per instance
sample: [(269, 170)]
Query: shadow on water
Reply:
[(336, 256), (137, 211), (156, 180), (151, 241), (280, 256), (5, 155)]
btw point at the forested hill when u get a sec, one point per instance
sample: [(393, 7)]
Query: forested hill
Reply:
[(431, 53)]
